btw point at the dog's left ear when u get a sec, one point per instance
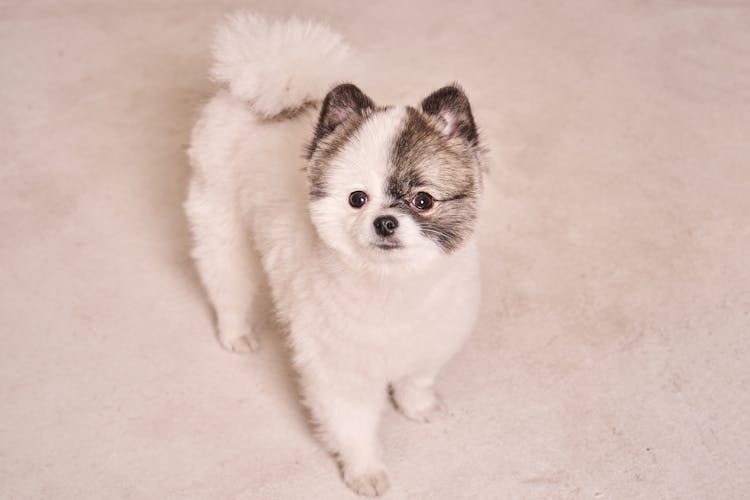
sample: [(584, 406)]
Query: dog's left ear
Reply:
[(451, 106), (340, 104)]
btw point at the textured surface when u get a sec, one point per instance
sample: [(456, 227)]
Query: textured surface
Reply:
[(611, 360)]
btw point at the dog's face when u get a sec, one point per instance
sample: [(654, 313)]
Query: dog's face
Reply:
[(394, 186)]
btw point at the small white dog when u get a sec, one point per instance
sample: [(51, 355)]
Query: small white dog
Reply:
[(366, 236)]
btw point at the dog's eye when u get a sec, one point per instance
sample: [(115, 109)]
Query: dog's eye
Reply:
[(358, 199), (422, 201)]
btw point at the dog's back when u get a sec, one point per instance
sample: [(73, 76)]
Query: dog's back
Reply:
[(246, 154)]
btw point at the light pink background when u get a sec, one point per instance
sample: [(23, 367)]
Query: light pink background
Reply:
[(612, 360)]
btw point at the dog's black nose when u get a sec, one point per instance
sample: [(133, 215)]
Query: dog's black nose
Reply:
[(385, 225)]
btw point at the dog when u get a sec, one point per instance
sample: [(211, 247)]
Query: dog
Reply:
[(361, 217)]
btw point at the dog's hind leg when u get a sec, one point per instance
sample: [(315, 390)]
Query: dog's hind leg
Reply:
[(227, 263)]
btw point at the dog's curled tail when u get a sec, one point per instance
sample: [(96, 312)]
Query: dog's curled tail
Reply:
[(278, 66)]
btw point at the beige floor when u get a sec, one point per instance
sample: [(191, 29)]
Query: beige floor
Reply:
[(613, 356)]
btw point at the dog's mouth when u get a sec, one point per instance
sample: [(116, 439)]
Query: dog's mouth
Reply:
[(387, 246)]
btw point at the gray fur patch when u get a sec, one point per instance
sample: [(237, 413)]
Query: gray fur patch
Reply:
[(422, 158)]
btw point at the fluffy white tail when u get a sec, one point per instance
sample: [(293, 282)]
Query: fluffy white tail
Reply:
[(278, 66)]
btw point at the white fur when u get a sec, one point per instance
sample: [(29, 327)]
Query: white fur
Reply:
[(360, 318), (278, 65), (361, 166)]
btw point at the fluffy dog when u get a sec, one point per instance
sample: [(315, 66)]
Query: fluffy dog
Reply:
[(360, 217)]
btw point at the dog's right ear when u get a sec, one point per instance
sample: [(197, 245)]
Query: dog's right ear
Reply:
[(341, 104)]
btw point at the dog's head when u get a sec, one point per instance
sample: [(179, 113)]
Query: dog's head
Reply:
[(394, 185)]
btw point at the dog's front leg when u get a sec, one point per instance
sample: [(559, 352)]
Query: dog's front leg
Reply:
[(346, 409)]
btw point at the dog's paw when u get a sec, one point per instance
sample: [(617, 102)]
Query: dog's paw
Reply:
[(238, 341), (420, 404), (371, 482)]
